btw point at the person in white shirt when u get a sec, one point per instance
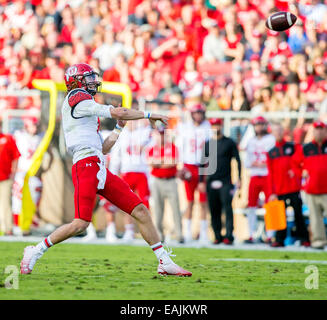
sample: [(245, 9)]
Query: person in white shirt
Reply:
[(80, 117), (128, 160), (190, 141), (27, 141), (256, 161)]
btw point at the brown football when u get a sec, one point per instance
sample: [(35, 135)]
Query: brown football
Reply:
[(281, 21)]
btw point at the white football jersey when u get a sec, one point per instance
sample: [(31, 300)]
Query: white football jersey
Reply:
[(27, 145), (81, 127), (190, 141), (128, 154), (256, 151)]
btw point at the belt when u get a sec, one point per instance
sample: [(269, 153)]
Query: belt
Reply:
[(163, 178)]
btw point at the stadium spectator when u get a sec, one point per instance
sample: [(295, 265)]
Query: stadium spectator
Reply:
[(162, 158), (213, 44), (208, 96), (191, 82), (285, 184), (216, 179), (311, 160), (234, 49), (9, 156), (169, 91), (263, 101)]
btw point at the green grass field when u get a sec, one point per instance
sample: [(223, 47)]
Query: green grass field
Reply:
[(72, 271)]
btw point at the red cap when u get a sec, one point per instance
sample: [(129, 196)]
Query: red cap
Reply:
[(31, 119), (272, 33), (197, 107), (216, 121), (255, 57), (279, 87), (259, 120), (319, 124), (256, 34)]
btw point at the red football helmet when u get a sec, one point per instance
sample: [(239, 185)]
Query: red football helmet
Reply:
[(81, 75)]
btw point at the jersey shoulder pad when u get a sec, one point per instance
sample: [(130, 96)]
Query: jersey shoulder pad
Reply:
[(77, 96)]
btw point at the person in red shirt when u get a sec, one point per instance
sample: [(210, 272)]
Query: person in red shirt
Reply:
[(311, 160), (9, 155), (162, 158), (285, 184)]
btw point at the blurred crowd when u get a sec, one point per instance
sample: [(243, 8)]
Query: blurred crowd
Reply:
[(177, 51)]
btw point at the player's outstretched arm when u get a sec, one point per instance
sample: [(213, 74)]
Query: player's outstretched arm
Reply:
[(121, 113), (113, 137)]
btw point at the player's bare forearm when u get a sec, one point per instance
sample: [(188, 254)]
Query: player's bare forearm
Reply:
[(131, 114), (109, 142), (113, 137)]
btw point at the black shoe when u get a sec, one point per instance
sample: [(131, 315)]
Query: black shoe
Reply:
[(181, 240)]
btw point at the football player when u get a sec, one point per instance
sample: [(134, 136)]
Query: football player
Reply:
[(80, 116), (128, 159), (192, 136), (256, 162)]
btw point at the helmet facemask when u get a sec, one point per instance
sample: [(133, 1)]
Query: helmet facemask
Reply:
[(91, 83)]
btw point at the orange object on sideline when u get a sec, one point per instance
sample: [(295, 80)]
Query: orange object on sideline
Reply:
[(275, 216)]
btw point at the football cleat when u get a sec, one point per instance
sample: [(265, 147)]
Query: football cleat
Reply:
[(172, 269), (167, 267), (31, 255)]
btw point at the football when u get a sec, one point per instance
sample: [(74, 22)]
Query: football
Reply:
[(281, 21)]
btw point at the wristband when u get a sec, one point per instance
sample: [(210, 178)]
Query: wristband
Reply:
[(118, 129), (147, 114)]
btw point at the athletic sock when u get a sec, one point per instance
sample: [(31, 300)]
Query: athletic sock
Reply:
[(252, 219), (203, 229), (44, 245), (161, 253), (90, 230), (188, 228), (111, 228)]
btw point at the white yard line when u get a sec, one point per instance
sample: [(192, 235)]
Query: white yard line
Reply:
[(171, 243), (271, 260)]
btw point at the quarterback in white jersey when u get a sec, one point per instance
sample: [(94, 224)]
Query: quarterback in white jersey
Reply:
[(190, 142), (256, 161), (27, 141), (80, 119)]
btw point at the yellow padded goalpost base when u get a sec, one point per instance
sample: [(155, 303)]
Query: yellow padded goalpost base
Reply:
[(28, 206)]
